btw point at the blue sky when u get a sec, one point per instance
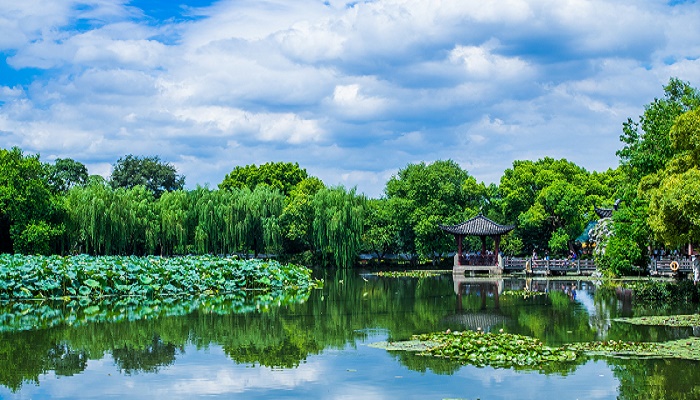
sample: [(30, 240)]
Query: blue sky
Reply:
[(353, 92)]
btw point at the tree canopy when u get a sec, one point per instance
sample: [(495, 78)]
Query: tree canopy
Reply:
[(156, 175), (649, 150), (673, 193), (551, 201), (27, 207), (279, 175), (65, 173), (423, 196)]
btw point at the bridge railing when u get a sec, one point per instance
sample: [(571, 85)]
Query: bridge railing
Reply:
[(662, 266), (514, 264)]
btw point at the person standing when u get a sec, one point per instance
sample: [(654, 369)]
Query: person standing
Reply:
[(696, 267)]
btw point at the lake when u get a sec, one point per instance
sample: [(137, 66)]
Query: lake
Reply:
[(320, 348)]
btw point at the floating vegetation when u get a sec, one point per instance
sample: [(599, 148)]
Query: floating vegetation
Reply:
[(482, 349), (525, 294), (688, 349), (507, 350), (56, 277), (409, 274), (665, 320), (616, 348)]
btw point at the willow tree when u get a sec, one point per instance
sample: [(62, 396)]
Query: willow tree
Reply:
[(208, 212), (338, 224), (176, 224), (88, 222), (134, 222), (257, 227), (237, 220)]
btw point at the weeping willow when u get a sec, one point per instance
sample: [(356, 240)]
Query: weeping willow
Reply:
[(106, 221), (238, 220), (88, 220), (176, 224), (338, 224)]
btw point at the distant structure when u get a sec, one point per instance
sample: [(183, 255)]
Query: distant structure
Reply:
[(481, 227)]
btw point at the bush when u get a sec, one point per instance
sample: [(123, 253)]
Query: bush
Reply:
[(36, 238)]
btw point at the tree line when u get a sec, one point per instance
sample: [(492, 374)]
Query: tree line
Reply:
[(277, 208)]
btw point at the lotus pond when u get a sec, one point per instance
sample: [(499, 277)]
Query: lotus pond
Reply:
[(534, 338)]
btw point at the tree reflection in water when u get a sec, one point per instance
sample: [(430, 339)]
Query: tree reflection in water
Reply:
[(336, 317)]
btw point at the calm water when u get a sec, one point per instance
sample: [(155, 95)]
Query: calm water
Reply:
[(319, 348)]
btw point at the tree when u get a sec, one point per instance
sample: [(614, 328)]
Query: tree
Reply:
[(550, 198), (380, 233), (29, 216), (423, 196), (298, 216), (648, 149), (151, 172), (279, 175), (338, 222), (674, 203), (65, 173), (647, 144)]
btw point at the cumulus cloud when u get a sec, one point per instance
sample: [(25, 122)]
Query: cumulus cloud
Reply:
[(351, 91)]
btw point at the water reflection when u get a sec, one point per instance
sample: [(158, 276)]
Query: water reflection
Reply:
[(316, 346)]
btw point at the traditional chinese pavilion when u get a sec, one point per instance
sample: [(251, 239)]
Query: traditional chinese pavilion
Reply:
[(482, 227)]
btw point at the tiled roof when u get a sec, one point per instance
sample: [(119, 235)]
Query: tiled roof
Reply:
[(604, 212), (478, 226)]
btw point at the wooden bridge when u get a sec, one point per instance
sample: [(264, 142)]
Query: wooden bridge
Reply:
[(662, 266), (548, 267), (526, 265)]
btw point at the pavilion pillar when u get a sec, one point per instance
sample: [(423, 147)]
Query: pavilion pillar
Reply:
[(496, 246), (483, 245), (459, 248)]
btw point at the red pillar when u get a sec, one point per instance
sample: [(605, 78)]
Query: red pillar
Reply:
[(459, 248)]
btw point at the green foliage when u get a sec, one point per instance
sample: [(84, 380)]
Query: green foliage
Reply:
[(283, 176), (423, 196), (622, 256), (151, 172), (674, 204), (297, 216), (651, 155), (65, 173), (381, 232), (559, 242), (338, 223), (30, 277), (27, 209), (647, 144), (503, 350), (548, 196), (37, 238)]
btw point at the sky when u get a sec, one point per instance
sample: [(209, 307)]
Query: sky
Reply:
[(352, 91)]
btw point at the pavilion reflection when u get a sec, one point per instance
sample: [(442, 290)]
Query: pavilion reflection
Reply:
[(482, 298)]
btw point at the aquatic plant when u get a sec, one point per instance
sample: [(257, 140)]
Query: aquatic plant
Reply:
[(41, 277), (495, 349), (409, 274), (505, 350)]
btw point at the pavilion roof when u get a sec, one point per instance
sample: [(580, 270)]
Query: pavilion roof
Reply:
[(604, 212), (478, 226)]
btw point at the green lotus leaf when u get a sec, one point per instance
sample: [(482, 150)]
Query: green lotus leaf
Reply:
[(92, 283), (84, 290)]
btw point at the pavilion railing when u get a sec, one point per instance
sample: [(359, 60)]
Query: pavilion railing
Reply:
[(479, 260)]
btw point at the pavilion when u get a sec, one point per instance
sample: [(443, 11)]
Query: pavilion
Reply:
[(481, 227)]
